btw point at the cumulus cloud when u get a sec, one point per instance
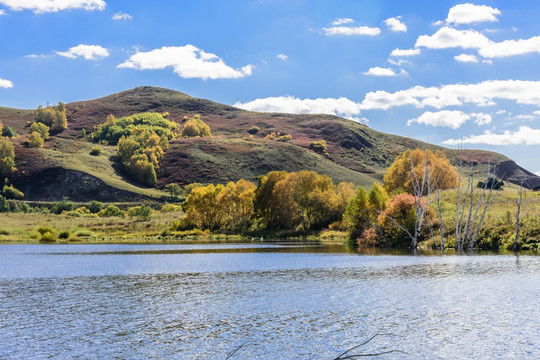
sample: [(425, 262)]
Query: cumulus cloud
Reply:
[(282, 56), (187, 61), (466, 58), (89, 52), (446, 118), (292, 105), (511, 48), (481, 118), (394, 24), (5, 83), (405, 52), (45, 6), (447, 37), (481, 94), (342, 21), (523, 136), (350, 30), (379, 71), (470, 14), (122, 16)]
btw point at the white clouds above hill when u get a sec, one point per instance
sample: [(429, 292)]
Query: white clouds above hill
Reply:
[(187, 62), (88, 52)]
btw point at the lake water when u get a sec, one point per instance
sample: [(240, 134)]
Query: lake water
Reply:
[(280, 301)]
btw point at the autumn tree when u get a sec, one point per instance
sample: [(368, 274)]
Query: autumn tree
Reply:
[(174, 189), (195, 127), (236, 203), (201, 207), (35, 140), (41, 129), (400, 177), (53, 116), (7, 157)]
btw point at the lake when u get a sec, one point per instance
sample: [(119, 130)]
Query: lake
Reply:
[(280, 301)]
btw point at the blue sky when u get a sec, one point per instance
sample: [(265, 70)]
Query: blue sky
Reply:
[(439, 71)]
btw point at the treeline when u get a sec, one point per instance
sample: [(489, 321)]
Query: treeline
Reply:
[(301, 202)]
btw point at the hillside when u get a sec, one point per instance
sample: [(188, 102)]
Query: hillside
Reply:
[(356, 153)]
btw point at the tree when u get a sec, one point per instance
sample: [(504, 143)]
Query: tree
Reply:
[(174, 189), (35, 140), (195, 127), (41, 129), (95, 206), (201, 207), (236, 203), (7, 157), (265, 205), (357, 214), (8, 131), (400, 177)]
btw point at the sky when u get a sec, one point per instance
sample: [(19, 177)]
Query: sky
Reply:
[(445, 72)]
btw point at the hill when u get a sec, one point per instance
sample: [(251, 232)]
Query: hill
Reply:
[(356, 153)]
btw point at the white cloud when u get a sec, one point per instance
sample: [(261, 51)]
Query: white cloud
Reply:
[(446, 118), (405, 52), (45, 6), (523, 136), (466, 58), (282, 56), (2, 12), (89, 52), (447, 37), (398, 62), (394, 24), (537, 112), (470, 14), (346, 30), (480, 94), (121, 16), (187, 61), (379, 71), (5, 83), (342, 21), (481, 118), (511, 48), (292, 105)]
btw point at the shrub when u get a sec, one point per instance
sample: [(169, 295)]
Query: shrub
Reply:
[(11, 192), (491, 183), (48, 237), (35, 140), (111, 210), (95, 206), (319, 147), (285, 138), (96, 150), (64, 205), (196, 127), (170, 208), (41, 129), (8, 131), (254, 130), (142, 212), (64, 234), (4, 205)]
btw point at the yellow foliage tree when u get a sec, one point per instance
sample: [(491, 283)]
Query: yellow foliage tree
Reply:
[(400, 177), (35, 140), (195, 127)]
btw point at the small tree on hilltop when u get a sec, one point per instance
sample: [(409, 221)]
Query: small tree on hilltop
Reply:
[(195, 127)]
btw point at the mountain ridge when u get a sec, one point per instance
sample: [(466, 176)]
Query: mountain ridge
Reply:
[(356, 152)]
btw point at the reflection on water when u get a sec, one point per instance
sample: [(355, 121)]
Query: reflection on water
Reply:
[(283, 301)]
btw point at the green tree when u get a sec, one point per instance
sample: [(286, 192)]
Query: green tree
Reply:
[(8, 131), (7, 157), (95, 206), (174, 189), (356, 217)]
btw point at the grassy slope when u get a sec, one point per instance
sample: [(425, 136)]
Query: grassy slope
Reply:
[(355, 152)]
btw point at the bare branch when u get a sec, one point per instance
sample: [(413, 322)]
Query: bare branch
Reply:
[(234, 351)]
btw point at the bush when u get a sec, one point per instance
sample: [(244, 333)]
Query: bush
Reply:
[(48, 237), (96, 150), (64, 234), (319, 147), (11, 192), (95, 206), (142, 212), (41, 129), (491, 183), (8, 131), (35, 140), (285, 138), (195, 127), (4, 205), (64, 205), (254, 130), (111, 210), (170, 208)]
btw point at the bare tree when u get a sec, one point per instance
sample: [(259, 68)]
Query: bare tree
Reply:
[(471, 209), (347, 355), (520, 205)]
